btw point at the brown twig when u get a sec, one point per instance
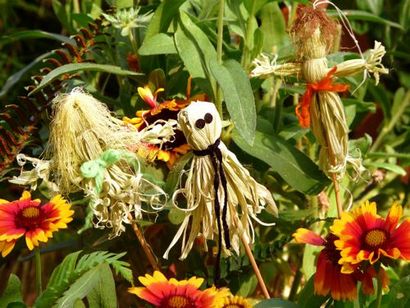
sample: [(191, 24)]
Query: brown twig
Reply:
[(254, 266), (145, 246)]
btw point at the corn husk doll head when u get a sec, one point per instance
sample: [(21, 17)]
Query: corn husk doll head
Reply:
[(221, 195), (89, 151)]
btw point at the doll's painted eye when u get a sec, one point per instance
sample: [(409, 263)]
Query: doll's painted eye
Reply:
[(200, 123), (208, 118)]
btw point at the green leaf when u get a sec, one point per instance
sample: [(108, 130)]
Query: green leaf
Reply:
[(248, 284), (238, 96), (72, 270), (273, 27), (124, 4), (276, 303), (81, 287), (309, 258), (374, 6), (194, 47), (398, 296), (397, 101), (388, 166), (12, 293), (163, 16), (298, 170), (34, 34), (404, 17), (77, 67), (365, 16), (103, 295), (157, 44)]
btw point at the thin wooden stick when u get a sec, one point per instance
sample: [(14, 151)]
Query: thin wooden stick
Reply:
[(254, 266), (145, 246)]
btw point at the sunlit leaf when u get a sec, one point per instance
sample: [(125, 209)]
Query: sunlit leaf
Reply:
[(79, 67), (292, 165), (238, 96)]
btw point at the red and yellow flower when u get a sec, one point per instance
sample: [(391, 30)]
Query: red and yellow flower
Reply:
[(28, 218), (164, 293), (167, 110), (233, 302), (328, 277), (366, 236)]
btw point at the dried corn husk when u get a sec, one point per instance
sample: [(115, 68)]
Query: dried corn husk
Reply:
[(84, 133), (82, 128), (245, 199), (117, 188), (313, 36)]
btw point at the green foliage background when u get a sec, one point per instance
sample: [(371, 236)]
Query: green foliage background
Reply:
[(181, 40)]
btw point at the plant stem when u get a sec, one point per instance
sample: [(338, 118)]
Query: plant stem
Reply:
[(218, 94), (145, 246), (295, 285), (37, 260), (133, 41), (248, 37), (254, 266), (395, 118), (379, 291)]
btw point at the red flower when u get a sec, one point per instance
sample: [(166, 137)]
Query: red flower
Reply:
[(329, 277), (172, 293), (365, 236), (26, 217)]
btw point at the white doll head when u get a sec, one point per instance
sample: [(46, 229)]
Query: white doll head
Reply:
[(201, 124)]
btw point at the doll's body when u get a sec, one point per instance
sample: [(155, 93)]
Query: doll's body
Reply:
[(220, 193)]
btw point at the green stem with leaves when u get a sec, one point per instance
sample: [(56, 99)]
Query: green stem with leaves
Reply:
[(248, 41), (133, 41), (37, 260), (218, 93)]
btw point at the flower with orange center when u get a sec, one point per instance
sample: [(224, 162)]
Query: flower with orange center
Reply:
[(366, 236), (167, 110), (26, 217), (172, 293)]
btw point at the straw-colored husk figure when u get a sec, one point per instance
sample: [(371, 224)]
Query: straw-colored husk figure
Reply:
[(321, 108), (89, 151), (221, 195)]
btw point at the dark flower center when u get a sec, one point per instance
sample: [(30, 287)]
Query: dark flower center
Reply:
[(375, 238), (178, 301), (330, 249), (29, 218)]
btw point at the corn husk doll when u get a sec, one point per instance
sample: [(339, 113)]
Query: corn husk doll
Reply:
[(89, 151), (321, 108), (221, 195)]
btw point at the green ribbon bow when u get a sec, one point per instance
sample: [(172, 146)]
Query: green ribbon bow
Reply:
[(95, 169)]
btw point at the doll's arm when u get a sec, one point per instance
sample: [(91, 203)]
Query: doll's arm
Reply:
[(372, 63), (264, 67)]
